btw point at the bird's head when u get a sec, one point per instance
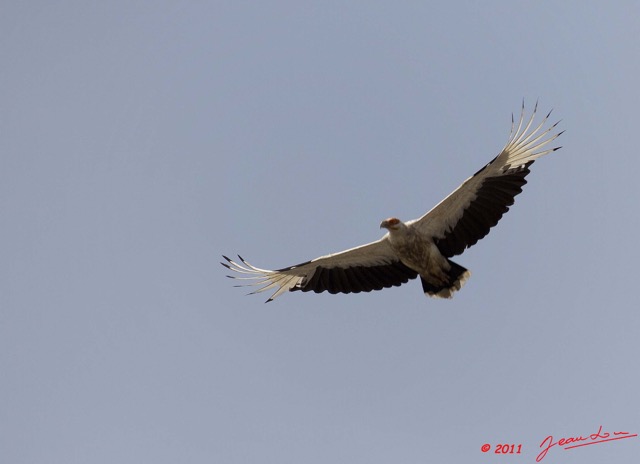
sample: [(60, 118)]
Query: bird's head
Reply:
[(392, 224)]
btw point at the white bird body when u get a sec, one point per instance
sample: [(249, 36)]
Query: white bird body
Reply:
[(420, 247)]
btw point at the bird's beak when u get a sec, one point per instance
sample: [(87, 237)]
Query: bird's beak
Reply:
[(384, 224)]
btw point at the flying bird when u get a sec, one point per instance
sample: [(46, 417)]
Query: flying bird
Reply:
[(420, 247)]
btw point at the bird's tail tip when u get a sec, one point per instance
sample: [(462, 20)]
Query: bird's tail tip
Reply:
[(457, 276)]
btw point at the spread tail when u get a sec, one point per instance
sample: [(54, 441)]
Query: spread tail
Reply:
[(456, 277)]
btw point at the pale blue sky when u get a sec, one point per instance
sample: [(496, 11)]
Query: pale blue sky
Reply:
[(143, 140)]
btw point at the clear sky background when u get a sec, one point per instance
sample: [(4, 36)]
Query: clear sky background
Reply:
[(140, 141)]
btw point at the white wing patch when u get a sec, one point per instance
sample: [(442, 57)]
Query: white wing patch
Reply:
[(522, 146), (282, 280)]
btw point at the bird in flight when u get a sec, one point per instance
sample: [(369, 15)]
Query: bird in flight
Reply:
[(420, 247)]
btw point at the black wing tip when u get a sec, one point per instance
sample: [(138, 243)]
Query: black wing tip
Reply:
[(231, 261)]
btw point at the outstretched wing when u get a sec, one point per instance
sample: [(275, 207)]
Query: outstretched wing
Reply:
[(368, 267), (467, 215)]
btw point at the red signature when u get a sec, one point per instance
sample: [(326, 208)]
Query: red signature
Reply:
[(598, 437)]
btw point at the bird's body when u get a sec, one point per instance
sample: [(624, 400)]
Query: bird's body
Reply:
[(440, 277), (420, 247)]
